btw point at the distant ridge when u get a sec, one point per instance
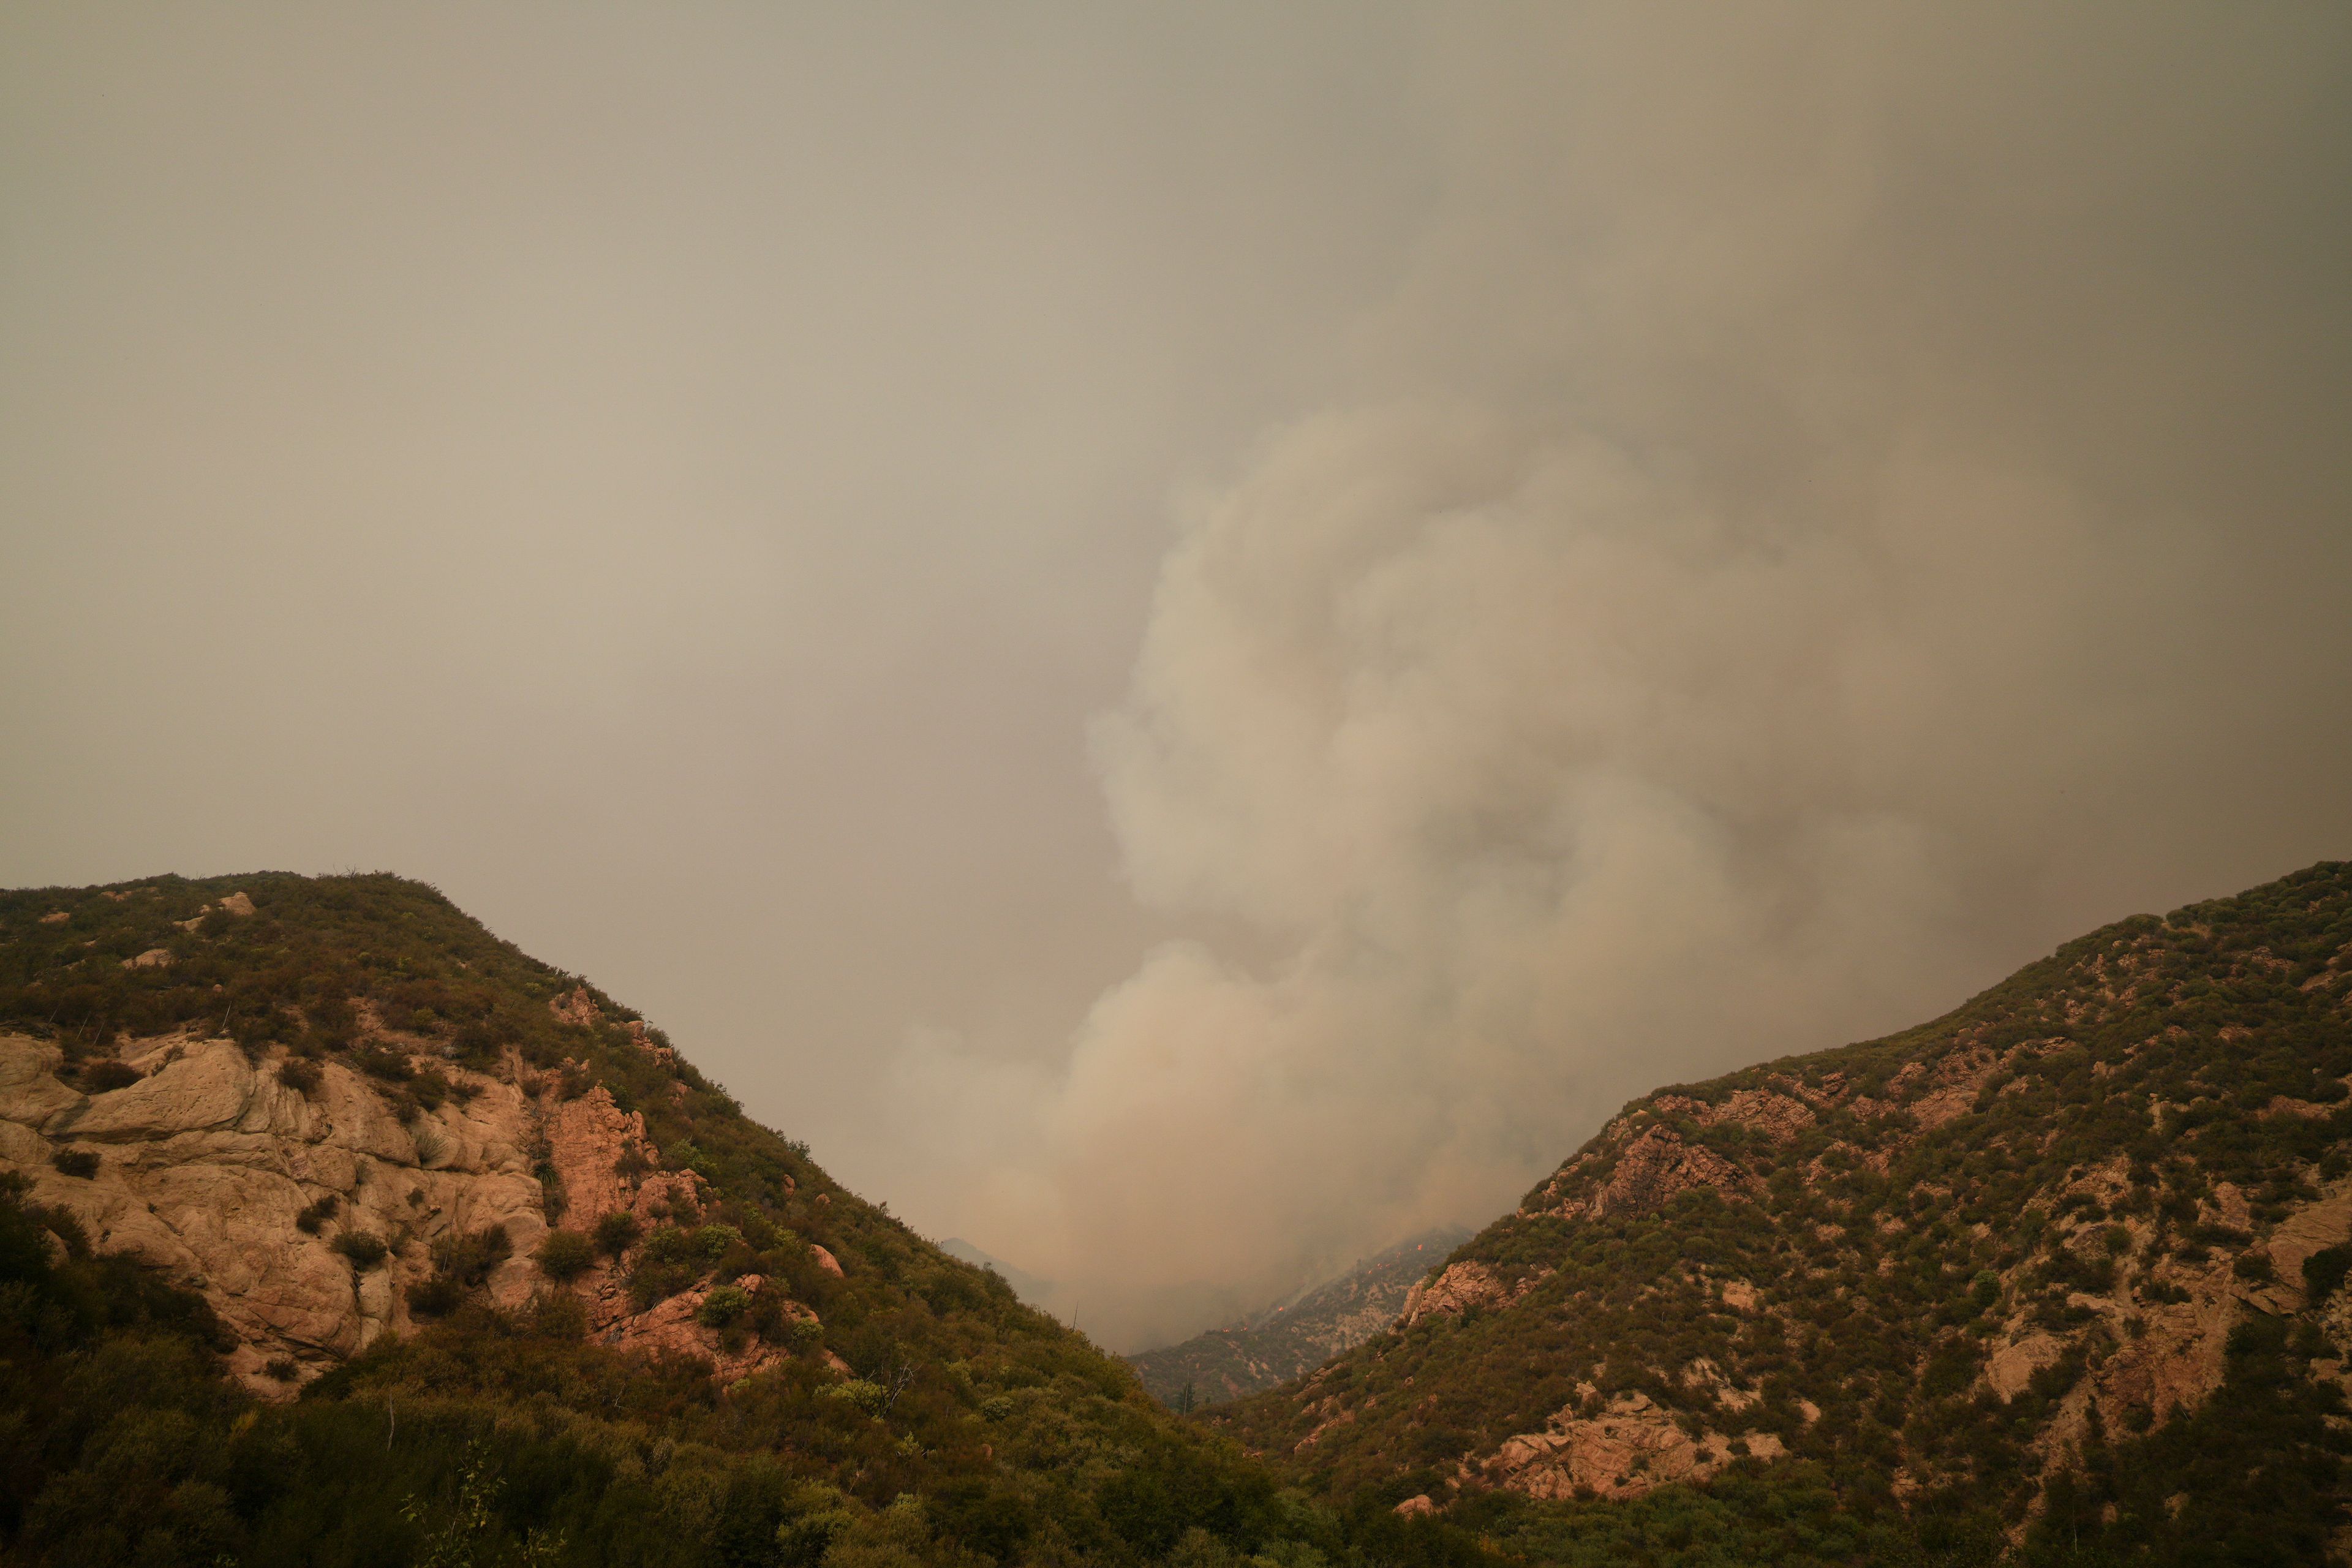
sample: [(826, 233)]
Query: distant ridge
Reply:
[(1029, 1287), (1276, 1344)]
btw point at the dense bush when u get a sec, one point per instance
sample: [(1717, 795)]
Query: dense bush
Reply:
[(365, 1248), (723, 1307), (564, 1255), (616, 1233), (101, 1076)]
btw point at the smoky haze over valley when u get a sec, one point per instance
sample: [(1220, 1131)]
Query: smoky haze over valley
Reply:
[(1191, 642)]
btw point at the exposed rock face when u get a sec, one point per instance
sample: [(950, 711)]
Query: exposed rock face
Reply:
[(576, 1006), (1657, 1165), (1778, 1116), (207, 1162), (1630, 1448), (588, 1139), (668, 1329), (1458, 1288), (2010, 1367)]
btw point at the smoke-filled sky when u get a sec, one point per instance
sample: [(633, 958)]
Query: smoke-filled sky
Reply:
[(1191, 638)]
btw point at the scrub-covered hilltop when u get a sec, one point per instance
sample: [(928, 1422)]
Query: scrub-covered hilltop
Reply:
[(2062, 1269), (334, 1229)]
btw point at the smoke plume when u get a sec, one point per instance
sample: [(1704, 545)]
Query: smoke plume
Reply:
[(1840, 502)]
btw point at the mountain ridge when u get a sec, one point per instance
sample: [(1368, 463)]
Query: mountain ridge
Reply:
[(2056, 1278), (334, 1229), (2013, 1264), (1278, 1342)]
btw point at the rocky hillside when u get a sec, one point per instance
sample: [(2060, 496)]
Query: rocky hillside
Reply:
[(333, 1229), (1291, 1337), (2059, 1275)]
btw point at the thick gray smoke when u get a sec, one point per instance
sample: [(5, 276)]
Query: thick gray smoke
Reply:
[(1842, 501)]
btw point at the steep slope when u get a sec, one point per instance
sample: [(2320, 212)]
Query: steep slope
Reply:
[(545, 1292), (1293, 1336), (2065, 1267)]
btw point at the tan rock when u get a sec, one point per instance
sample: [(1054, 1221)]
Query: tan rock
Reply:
[(1740, 1295), (825, 1261), (211, 1085), (153, 958), (2012, 1365), (30, 1093), (576, 1006), (1658, 1165), (56, 918), (1629, 1449), (2312, 1228), (1415, 1507), (1459, 1287), (237, 903), (208, 1159)]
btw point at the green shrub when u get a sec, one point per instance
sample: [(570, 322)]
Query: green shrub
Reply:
[(437, 1297), (79, 1163), (564, 1255), (862, 1393), (468, 1257), (617, 1231), (376, 1061), (723, 1307), (299, 1074)]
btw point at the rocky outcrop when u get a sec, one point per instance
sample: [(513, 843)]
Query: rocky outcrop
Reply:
[(592, 1143), (2012, 1364), (1656, 1166), (672, 1328), (206, 1162), (1456, 1289), (208, 1165), (576, 1006), (1779, 1117), (1630, 1446)]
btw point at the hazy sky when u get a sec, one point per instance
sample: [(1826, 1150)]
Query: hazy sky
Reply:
[(1190, 638)]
